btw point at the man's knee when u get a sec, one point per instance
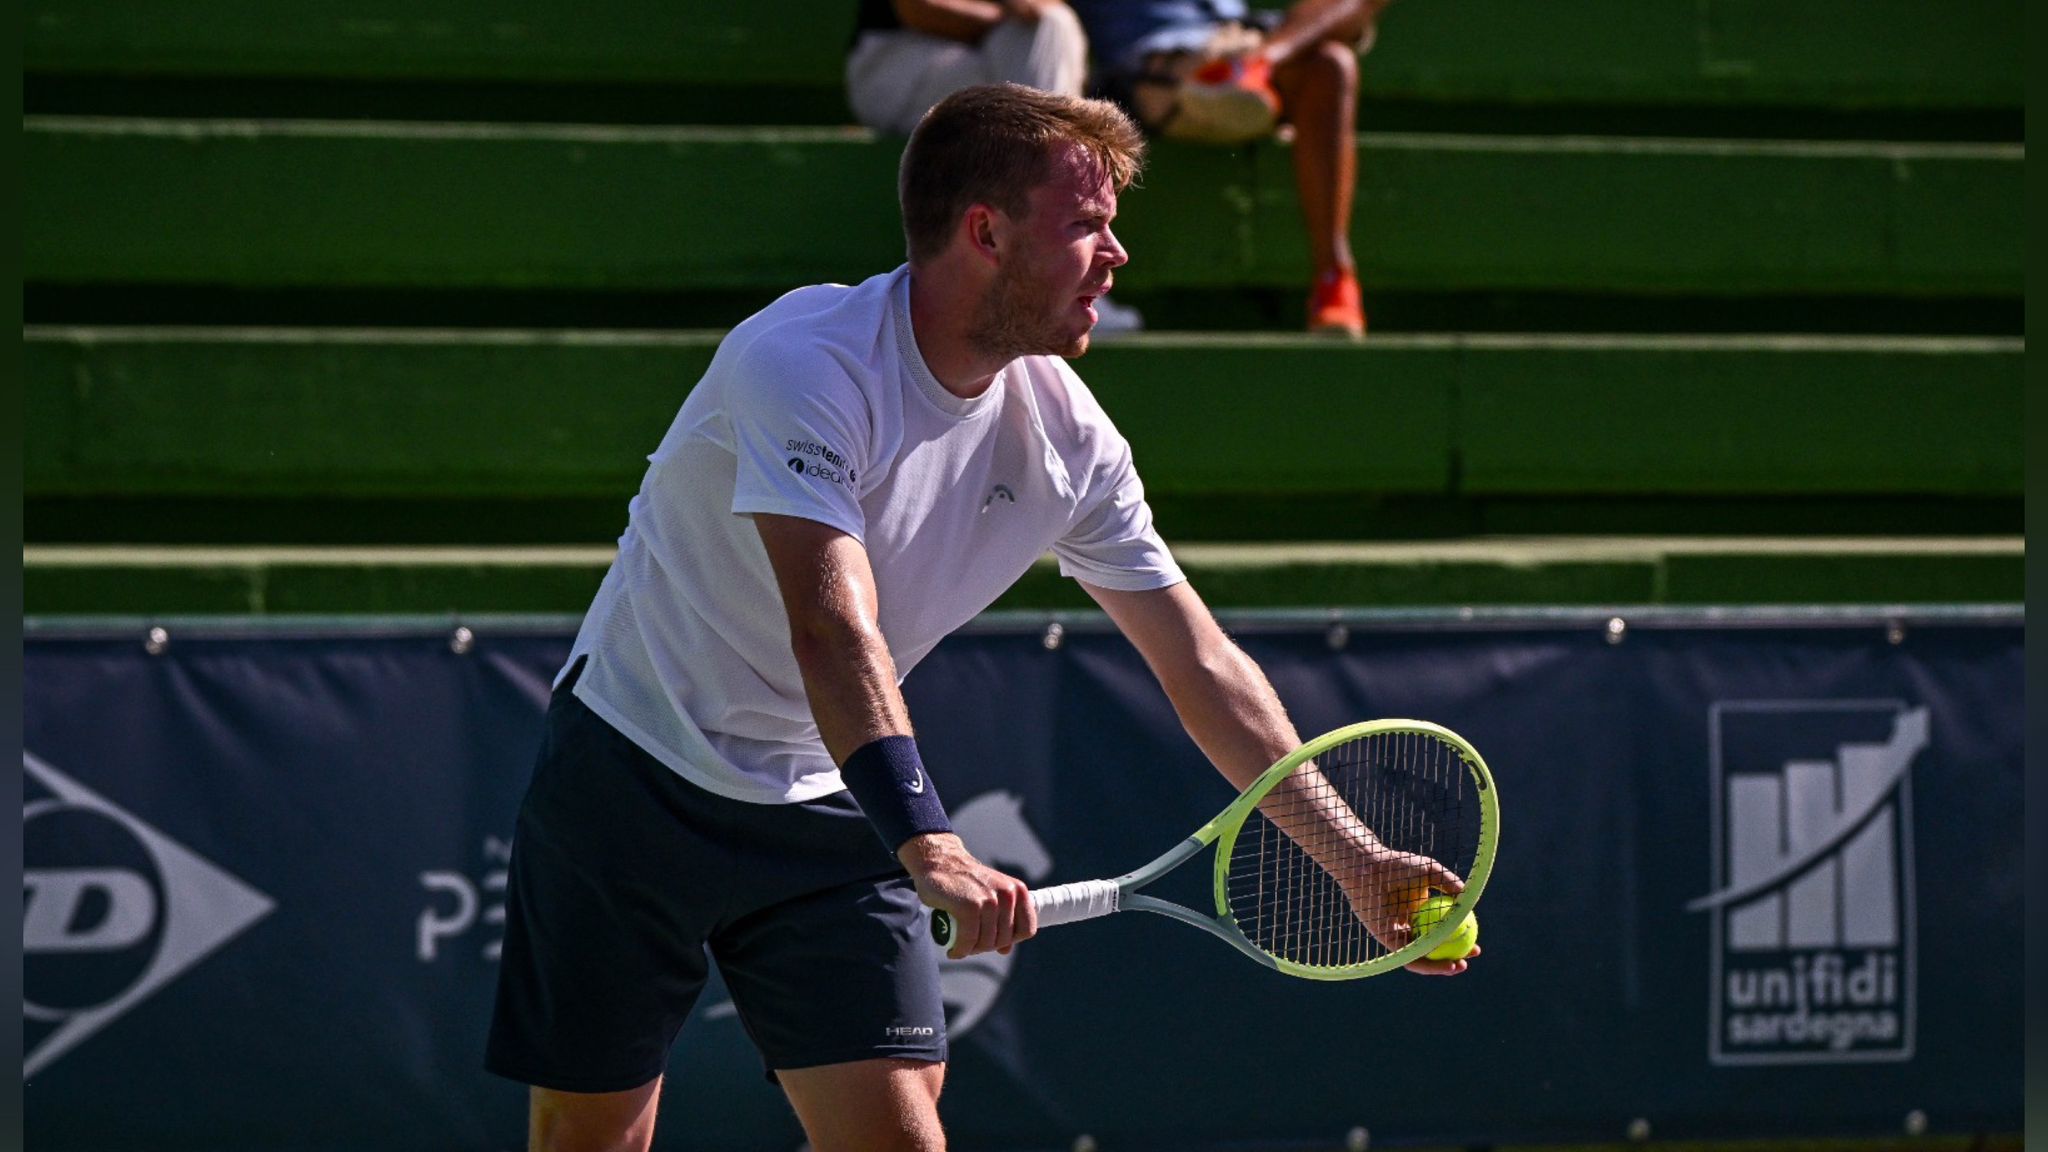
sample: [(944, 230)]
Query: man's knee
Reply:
[(1337, 62), (1323, 75), (1358, 29), (593, 1122), (884, 1105), (922, 1135)]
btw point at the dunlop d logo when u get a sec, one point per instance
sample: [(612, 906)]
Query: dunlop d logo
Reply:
[(1812, 904), (112, 911)]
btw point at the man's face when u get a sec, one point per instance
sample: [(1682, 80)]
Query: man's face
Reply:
[(1055, 262)]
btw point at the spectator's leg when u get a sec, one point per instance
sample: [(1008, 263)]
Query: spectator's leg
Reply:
[(1319, 94), (1049, 53), (893, 78), (1310, 22)]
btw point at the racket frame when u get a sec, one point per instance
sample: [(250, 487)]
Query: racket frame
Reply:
[(1222, 832), (1230, 822)]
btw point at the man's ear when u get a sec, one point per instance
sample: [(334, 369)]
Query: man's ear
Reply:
[(982, 227)]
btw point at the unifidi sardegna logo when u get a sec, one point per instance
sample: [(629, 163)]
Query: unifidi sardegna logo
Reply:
[(1812, 911)]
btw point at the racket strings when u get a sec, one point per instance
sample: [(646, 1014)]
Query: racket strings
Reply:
[(1364, 809)]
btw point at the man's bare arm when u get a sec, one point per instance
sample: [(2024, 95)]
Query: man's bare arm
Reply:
[(828, 593), (1230, 709), (1222, 697), (964, 20)]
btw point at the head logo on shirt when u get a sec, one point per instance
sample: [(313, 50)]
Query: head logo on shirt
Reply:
[(999, 494)]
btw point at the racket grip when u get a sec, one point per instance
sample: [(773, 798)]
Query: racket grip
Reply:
[(1059, 904), (1082, 900)]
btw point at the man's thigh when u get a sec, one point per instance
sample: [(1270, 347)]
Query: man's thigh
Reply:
[(869, 1104), (611, 892), (837, 975)]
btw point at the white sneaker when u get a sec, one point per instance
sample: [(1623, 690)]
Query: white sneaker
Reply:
[(1229, 100), (1114, 319)]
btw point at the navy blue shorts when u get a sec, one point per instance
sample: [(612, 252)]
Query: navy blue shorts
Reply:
[(624, 876)]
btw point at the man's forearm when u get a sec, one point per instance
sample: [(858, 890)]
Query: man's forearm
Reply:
[(964, 20), (1233, 714), (850, 679), (1228, 707), (1308, 808), (851, 682)]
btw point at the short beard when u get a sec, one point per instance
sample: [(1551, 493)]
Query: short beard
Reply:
[(1010, 323)]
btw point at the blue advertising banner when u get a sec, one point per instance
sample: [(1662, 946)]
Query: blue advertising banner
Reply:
[(1759, 877)]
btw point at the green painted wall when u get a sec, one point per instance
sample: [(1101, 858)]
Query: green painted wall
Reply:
[(225, 413), (1843, 53), (270, 205), (144, 581)]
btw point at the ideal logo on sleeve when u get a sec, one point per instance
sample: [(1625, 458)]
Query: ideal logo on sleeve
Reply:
[(811, 458), (112, 911), (1812, 959)]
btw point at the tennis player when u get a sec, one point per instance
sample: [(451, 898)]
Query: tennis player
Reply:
[(728, 765)]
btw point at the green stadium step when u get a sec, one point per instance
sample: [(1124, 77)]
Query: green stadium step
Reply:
[(1836, 53), (1303, 436), (318, 205), (284, 581)]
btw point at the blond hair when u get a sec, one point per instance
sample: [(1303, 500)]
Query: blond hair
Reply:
[(992, 144)]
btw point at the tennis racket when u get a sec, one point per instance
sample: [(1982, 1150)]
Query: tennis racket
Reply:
[(1322, 843)]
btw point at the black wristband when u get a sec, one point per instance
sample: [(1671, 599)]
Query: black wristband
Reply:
[(888, 778)]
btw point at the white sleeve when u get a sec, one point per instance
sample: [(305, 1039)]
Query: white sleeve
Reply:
[(1112, 543), (801, 430)]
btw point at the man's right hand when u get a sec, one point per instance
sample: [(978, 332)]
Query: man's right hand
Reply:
[(990, 911)]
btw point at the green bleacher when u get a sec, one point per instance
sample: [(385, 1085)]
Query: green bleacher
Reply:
[(1840, 54), (128, 580), (271, 414), (378, 307), (291, 204)]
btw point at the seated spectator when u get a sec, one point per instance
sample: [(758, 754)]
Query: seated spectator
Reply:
[(1214, 71), (908, 55)]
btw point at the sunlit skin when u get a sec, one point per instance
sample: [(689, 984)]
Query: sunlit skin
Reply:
[(1060, 260), (1315, 72), (1003, 287), (1009, 287), (1019, 286)]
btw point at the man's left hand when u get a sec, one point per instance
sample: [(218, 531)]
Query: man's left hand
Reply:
[(1384, 894)]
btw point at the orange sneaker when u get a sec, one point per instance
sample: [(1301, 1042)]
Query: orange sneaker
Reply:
[(1334, 307)]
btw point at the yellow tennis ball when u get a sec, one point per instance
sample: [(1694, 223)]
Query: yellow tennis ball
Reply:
[(1430, 913)]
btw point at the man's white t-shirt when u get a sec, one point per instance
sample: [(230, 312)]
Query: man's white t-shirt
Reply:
[(820, 406)]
